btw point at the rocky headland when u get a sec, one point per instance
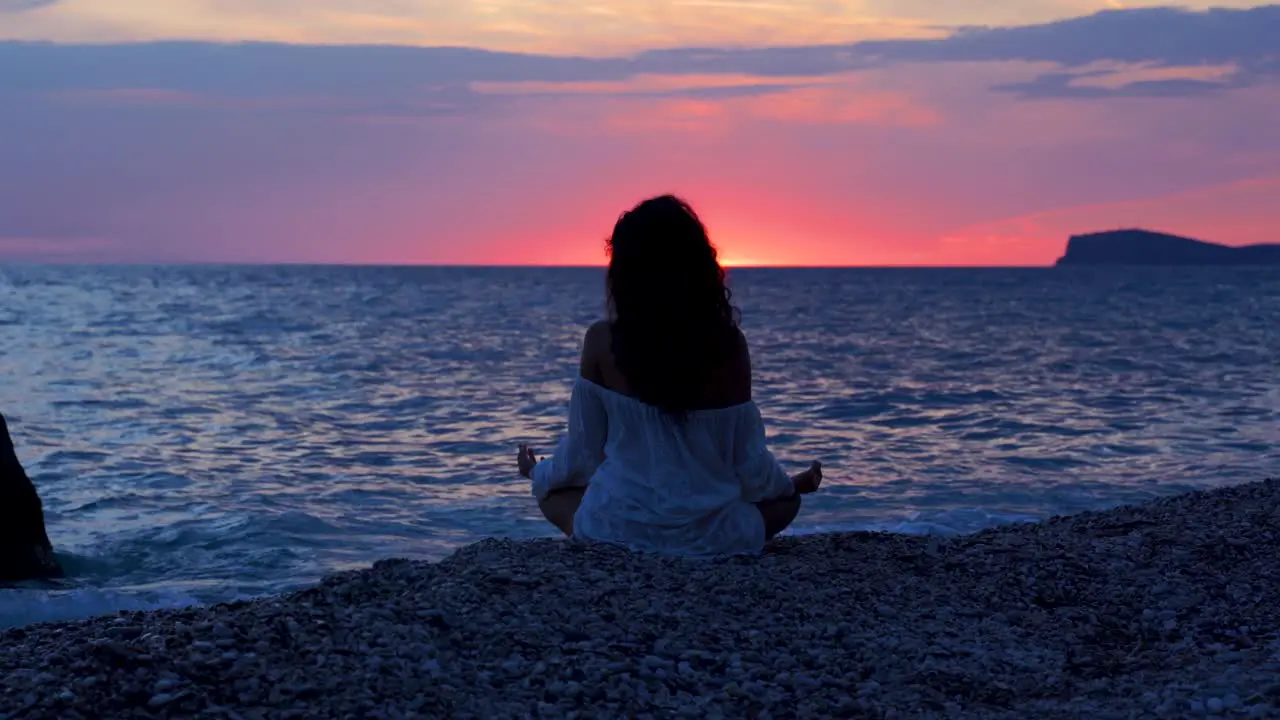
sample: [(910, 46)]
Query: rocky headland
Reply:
[(1144, 247)]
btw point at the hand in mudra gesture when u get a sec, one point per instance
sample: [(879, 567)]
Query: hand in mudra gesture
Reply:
[(809, 480), (525, 460)]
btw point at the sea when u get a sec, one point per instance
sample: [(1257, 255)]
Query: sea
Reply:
[(209, 433)]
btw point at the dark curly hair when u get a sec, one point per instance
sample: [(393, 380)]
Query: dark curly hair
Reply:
[(673, 320)]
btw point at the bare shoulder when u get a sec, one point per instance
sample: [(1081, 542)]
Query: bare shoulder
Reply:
[(739, 367), (595, 351), (731, 382), (598, 333), (741, 349), (597, 341)]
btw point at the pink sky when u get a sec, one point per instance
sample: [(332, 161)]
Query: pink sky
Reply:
[(981, 148)]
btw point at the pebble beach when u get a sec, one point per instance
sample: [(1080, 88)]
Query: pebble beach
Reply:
[(1167, 609)]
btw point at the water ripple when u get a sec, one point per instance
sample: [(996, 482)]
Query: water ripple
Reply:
[(210, 433)]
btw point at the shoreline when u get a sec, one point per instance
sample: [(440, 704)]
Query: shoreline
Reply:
[(1166, 609)]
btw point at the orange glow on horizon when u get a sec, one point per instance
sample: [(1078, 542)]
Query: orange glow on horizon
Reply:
[(751, 234)]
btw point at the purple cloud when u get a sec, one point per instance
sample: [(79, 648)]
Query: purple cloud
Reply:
[(1160, 36), (200, 150), (17, 6)]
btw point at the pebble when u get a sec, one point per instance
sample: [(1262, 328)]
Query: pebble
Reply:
[(1126, 613)]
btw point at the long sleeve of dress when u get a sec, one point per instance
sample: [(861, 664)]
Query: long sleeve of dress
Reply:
[(581, 449), (758, 470)]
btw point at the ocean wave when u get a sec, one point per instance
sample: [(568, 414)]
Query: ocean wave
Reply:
[(200, 434)]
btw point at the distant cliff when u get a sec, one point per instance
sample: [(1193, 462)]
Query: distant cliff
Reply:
[(1143, 247)]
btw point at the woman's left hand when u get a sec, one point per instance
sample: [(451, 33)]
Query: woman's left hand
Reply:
[(525, 460)]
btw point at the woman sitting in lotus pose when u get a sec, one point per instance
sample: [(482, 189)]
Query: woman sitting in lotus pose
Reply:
[(665, 450)]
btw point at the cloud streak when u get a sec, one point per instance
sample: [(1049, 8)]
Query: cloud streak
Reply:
[(1239, 45), (1243, 40), (17, 6), (547, 26), (869, 152)]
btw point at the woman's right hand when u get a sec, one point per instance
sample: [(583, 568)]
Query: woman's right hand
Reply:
[(525, 460), (809, 480)]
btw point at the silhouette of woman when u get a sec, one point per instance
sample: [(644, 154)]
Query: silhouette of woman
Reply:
[(665, 450)]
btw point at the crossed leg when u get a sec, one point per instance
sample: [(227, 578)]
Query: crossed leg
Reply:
[(561, 505), (778, 514)]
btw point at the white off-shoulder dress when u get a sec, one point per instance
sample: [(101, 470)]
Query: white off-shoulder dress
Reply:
[(654, 485)]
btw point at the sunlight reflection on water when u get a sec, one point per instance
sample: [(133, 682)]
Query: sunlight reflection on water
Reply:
[(226, 431)]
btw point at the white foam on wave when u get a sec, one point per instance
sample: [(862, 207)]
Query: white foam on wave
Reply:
[(23, 606), (956, 521)]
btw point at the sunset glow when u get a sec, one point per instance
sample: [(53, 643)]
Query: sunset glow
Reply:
[(602, 28), (924, 146)]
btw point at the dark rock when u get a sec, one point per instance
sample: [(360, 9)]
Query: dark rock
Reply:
[(25, 551), (1143, 247)]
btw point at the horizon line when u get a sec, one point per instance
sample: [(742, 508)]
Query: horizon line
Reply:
[(478, 266)]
